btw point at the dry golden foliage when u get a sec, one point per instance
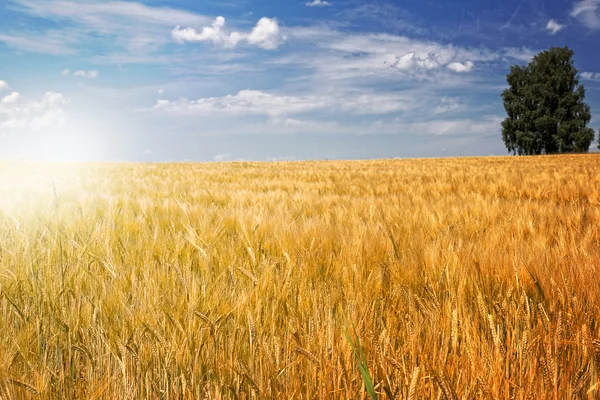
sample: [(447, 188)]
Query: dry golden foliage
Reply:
[(463, 278)]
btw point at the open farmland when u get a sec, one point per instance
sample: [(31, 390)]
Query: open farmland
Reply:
[(458, 278)]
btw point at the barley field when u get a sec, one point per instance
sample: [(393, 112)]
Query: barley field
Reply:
[(391, 279)]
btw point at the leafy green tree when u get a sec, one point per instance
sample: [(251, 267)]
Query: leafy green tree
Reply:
[(545, 106)]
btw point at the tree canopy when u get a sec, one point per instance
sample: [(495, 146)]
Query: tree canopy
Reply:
[(545, 106)]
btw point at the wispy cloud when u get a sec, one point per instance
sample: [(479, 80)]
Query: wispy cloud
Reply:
[(446, 105), (255, 102), (438, 127), (86, 74), (92, 74), (386, 15), (104, 15), (513, 15), (135, 26), (282, 159), (50, 43), (124, 58), (222, 157), (519, 53), (364, 58), (266, 34), (588, 12), (458, 127), (4, 85), (318, 3), (554, 27)]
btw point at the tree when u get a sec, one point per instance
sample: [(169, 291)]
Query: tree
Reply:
[(545, 106)]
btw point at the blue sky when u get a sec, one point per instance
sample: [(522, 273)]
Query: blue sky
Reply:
[(157, 80)]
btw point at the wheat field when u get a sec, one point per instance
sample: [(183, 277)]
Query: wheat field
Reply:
[(404, 279)]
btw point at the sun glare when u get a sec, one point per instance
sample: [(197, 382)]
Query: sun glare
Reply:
[(78, 140), (39, 179)]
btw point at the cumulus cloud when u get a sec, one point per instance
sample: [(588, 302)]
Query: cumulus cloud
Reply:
[(266, 34), (86, 74), (553, 27), (588, 12), (215, 33), (10, 99), (460, 67), (4, 85), (256, 102), (318, 3), (590, 76), (411, 61), (18, 113)]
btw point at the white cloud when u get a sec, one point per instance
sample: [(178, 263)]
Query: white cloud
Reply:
[(266, 34), (460, 67), (10, 99), (255, 102), (161, 91), (485, 126), (65, 72), (295, 125), (588, 12), (519, 53), (282, 159), (245, 102), (127, 58), (432, 61), (221, 157), (147, 152), (137, 27), (590, 76), (4, 85), (336, 57), (447, 104), (553, 27), (87, 74), (411, 61), (318, 3), (108, 14), (50, 43), (18, 113), (215, 33)]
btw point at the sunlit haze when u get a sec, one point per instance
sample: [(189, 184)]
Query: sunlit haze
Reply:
[(261, 80)]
